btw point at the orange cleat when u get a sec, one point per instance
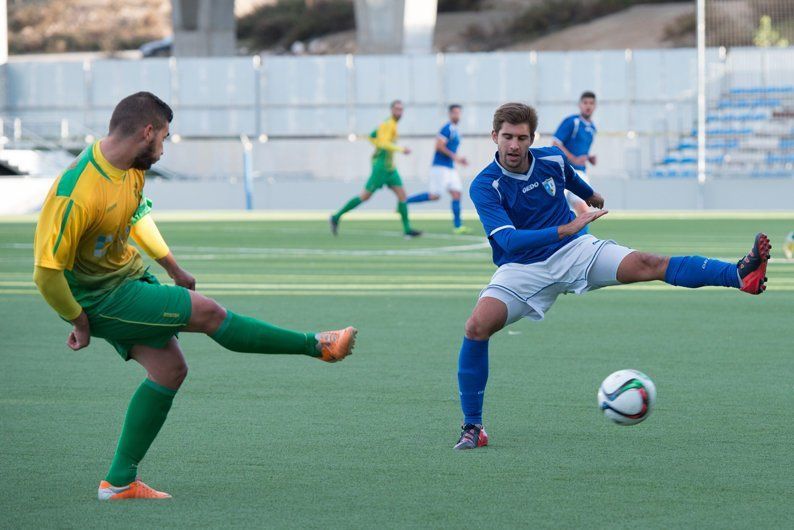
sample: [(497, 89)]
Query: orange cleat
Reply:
[(336, 345), (135, 490), (752, 268)]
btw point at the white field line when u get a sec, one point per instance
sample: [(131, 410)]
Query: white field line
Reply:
[(216, 252), (21, 287), (295, 215), (381, 233), (380, 293)]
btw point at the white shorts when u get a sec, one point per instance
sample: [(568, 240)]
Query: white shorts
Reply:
[(574, 199), (443, 178), (584, 264)]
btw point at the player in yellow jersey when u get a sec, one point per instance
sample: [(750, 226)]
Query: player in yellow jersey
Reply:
[(90, 275), (384, 172)]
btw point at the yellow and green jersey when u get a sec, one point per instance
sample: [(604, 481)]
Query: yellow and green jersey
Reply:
[(384, 139), (85, 223)]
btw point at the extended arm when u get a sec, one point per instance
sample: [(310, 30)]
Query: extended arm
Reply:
[(500, 227), (441, 147), (384, 139), (61, 225), (146, 235), (582, 189), (562, 135), (513, 240), (577, 185), (572, 158), (55, 290), (53, 287)]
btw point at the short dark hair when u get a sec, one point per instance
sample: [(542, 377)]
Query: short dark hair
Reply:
[(395, 102), (137, 111), (454, 106), (587, 94), (515, 114)]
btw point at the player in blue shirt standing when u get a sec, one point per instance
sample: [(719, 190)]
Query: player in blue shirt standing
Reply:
[(574, 137), (541, 251), (443, 175)]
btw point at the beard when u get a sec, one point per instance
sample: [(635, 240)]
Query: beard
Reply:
[(508, 164), (146, 158)]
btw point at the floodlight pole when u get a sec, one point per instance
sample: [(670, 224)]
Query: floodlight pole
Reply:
[(248, 181), (701, 99)]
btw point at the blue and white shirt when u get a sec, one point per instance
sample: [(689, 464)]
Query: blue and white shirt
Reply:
[(524, 202), (450, 133), (577, 135)]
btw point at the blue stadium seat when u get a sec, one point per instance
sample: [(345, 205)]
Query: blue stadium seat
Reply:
[(749, 134), (780, 159), (762, 90), (748, 104)]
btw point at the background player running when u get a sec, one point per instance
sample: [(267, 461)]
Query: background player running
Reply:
[(541, 251), (443, 176), (92, 277), (384, 172), (574, 137)]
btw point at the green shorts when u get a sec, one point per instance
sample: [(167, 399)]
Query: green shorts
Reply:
[(141, 311), (382, 175)]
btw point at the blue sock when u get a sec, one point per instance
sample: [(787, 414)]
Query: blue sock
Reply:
[(456, 213), (472, 376), (419, 197), (697, 271)]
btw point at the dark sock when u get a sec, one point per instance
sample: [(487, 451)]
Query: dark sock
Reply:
[(419, 197), (697, 271), (456, 213), (403, 209), (472, 377), (352, 203), (249, 335), (146, 413)]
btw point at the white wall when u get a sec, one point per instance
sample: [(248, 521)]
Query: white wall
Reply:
[(321, 96)]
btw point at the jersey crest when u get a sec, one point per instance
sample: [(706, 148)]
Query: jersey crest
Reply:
[(549, 186)]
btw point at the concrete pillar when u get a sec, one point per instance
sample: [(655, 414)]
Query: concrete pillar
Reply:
[(3, 60), (204, 28), (3, 31), (395, 26), (419, 24)]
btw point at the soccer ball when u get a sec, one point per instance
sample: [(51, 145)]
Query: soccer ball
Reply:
[(788, 245), (627, 397)]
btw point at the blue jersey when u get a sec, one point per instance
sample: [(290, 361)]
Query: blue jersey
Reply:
[(531, 201), (450, 133), (576, 134)]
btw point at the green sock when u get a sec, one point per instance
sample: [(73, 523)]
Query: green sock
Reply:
[(352, 203), (403, 209), (249, 335), (148, 409)]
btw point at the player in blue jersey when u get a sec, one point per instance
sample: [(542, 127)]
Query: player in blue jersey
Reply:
[(541, 251), (574, 137), (443, 176)]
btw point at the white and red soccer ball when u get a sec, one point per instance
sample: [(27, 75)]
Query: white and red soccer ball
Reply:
[(627, 397)]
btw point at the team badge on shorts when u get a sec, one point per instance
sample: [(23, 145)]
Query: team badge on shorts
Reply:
[(549, 186)]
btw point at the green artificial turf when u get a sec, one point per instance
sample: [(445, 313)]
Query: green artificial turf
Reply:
[(286, 441)]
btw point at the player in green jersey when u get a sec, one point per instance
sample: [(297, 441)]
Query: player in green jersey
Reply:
[(89, 274), (384, 172)]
